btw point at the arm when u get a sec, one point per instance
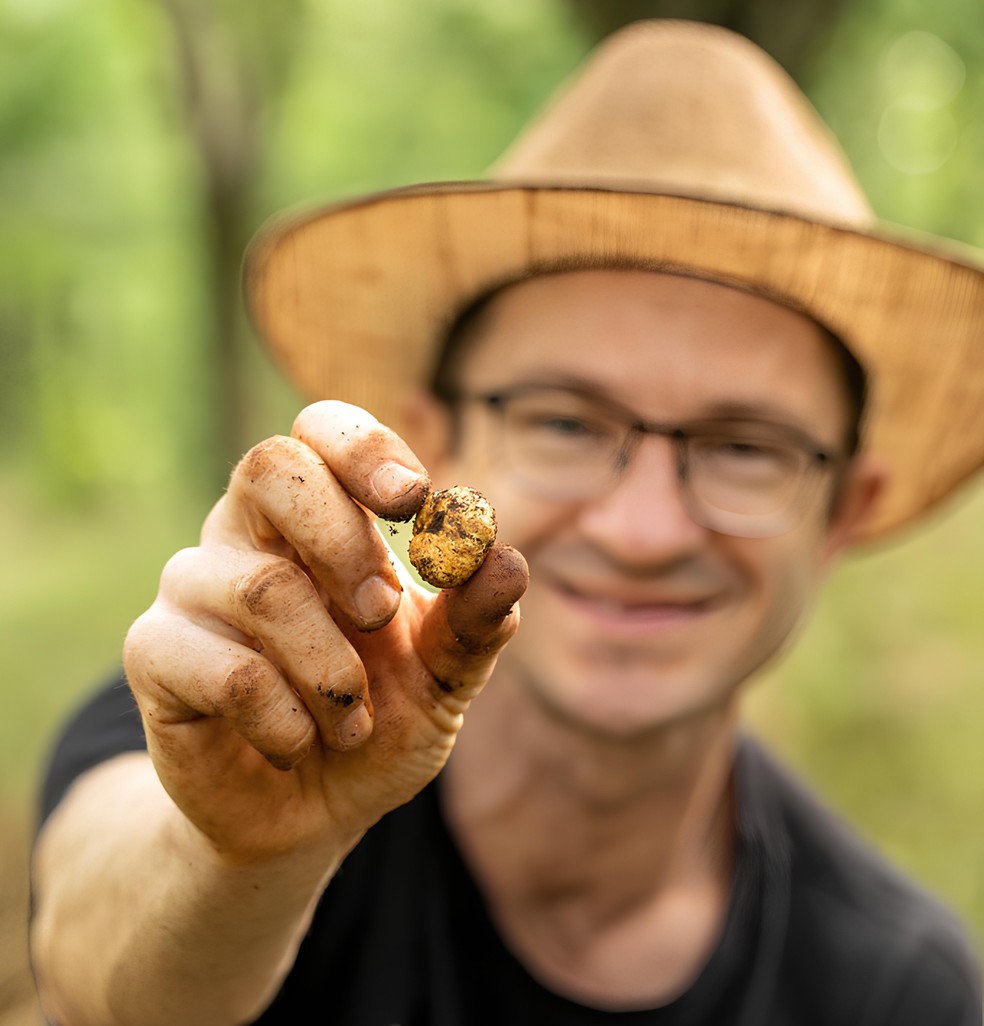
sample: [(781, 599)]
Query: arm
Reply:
[(288, 705), (129, 887)]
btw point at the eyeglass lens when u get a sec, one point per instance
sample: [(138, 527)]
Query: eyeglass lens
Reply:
[(738, 477)]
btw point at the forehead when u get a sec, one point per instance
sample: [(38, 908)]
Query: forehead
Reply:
[(668, 345)]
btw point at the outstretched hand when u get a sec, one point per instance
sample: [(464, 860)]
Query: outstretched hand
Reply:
[(294, 682)]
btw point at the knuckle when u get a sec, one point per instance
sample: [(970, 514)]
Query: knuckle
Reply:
[(148, 662), (177, 568), (312, 415), (331, 415), (268, 458), (244, 684), (137, 642), (352, 542), (148, 635), (477, 644), (267, 590)]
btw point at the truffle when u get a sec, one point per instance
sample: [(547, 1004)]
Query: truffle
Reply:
[(452, 532)]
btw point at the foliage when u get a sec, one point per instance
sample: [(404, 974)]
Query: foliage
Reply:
[(900, 83), (107, 259)]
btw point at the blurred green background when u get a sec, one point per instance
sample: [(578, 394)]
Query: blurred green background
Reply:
[(141, 144)]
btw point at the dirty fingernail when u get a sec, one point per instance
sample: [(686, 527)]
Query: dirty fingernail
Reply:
[(376, 600), (393, 480)]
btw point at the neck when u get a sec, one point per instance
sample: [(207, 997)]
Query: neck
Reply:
[(575, 835), (516, 762)]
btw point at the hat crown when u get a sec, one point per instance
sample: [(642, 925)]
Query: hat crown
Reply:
[(693, 110)]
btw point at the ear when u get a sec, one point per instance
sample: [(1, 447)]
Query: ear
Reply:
[(426, 425), (859, 494)]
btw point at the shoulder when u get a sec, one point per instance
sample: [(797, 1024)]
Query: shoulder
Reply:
[(851, 914)]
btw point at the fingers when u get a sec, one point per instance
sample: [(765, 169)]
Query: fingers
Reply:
[(180, 672), (273, 606), (372, 462), (308, 495), (283, 499), (466, 627), (242, 637), (271, 623)]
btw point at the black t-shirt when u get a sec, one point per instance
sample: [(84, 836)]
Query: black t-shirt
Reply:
[(819, 931)]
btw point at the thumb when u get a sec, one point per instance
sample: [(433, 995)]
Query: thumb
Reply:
[(466, 627)]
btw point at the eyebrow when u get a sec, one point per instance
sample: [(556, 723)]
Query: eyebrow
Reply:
[(763, 412)]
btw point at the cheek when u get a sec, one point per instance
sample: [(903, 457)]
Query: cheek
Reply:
[(788, 580)]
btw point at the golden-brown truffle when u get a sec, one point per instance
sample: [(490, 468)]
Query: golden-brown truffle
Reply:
[(451, 534)]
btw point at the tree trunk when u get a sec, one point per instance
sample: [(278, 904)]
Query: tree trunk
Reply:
[(221, 113)]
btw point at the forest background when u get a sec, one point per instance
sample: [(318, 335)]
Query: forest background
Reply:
[(142, 142)]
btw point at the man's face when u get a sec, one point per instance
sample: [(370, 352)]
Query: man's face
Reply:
[(637, 616)]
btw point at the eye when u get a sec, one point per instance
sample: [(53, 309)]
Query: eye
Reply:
[(562, 424), (742, 449), (559, 429), (746, 458), (559, 420), (562, 431)]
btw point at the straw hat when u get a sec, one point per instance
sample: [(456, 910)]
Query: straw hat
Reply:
[(677, 146)]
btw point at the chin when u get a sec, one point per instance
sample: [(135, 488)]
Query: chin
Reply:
[(623, 701)]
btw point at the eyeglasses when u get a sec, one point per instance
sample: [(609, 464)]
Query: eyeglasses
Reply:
[(749, 478)]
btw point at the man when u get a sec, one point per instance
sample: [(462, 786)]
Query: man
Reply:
[(651, 340)]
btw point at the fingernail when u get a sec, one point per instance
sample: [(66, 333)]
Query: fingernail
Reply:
[(355, 728), (393, 480), (376, 601)]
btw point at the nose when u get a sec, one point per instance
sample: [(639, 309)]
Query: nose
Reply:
[(643, 519)]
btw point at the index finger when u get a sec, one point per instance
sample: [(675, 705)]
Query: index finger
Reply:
[(374, 465)]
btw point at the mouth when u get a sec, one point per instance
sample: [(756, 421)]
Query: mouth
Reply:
[(625, 612)]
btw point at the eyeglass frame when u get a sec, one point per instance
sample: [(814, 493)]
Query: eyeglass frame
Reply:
[(819, 458)]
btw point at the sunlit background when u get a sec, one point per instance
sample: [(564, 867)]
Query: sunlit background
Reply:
[(141, 144)]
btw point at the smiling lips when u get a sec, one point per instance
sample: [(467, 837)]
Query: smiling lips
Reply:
[(624, 612)]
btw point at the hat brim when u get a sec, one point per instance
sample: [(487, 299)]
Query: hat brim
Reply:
[(352, 299)]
